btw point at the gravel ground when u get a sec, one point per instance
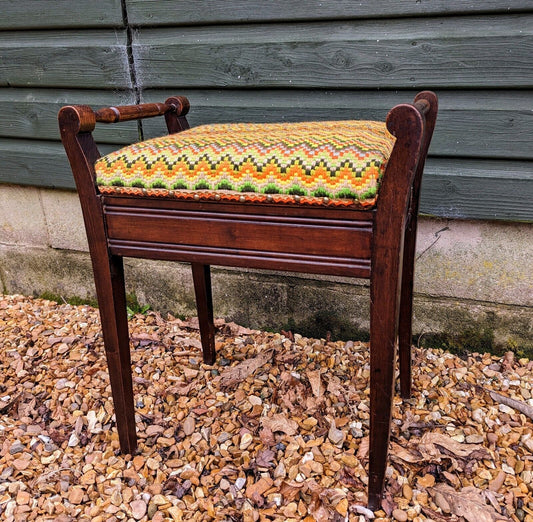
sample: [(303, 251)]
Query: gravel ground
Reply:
[(277, 429)]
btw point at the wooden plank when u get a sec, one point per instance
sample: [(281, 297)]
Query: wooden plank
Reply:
[(92, 59), (468, 52), (491, 124), (32, 113), (478, 189), (37, 163), (469, 189), (181, 12), (37, 14)]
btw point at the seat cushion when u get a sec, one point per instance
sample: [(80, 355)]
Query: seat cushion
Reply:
[(334, 163)]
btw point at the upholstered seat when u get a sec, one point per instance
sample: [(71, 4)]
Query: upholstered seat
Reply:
[(338, 163)]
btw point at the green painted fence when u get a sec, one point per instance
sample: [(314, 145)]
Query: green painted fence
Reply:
[(273, 60)]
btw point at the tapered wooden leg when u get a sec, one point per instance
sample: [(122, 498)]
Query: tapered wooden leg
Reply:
[(76, 124), (204, 304), (383, 335), (109, 281), (406, 310)]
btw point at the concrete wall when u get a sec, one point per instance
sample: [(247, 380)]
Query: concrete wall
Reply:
[(474, 286)]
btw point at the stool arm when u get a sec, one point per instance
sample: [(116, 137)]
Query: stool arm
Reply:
[(77, 122), (130, 112), (176, 104), (81, 118)]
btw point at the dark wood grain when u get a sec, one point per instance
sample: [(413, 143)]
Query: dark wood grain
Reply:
[(170, 12), (479, 189), (239, 258), (75, 124), (204, 304), (290, 241), (37, 14), (473, 124), (92, 59), (406, 123), (130, 112), (405, 331), (483, 52), (31, 113), (249, 232), (37, 163)]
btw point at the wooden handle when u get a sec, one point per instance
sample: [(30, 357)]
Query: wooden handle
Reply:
[(178, 104), (131, 112)]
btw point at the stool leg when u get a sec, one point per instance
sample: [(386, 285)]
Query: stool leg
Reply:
[(204, 304), (109, 281), (406, 310), (383, 335)]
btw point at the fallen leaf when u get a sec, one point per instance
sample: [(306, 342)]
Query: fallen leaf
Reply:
[(497, 482), (237, 330), (59, 396), (335, 387), (453, 479), (410, 455), (290, 490), (267, 437), (258, 488), (7, 403), (520, 406), (316, 383), (182, 389), (431, 443), (491, 497), (364, 447), (469, 503), (236, 374), (387, 504), (349, 477), (281, 423), (318, 507), (190, 343), (265, 458), (435, 515)]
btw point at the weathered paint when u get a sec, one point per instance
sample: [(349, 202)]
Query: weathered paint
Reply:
[(284, 61)]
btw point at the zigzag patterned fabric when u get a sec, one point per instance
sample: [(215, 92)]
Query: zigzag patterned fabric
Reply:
[(337, 162)]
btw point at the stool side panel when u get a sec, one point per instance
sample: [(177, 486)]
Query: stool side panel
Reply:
[(295, 235)]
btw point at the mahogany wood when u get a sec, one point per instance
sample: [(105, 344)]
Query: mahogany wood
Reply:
[(424, 101), (378, 244), (385, 279), (202, 288)]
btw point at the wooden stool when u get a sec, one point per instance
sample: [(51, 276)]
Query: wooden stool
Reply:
[(337, 198)]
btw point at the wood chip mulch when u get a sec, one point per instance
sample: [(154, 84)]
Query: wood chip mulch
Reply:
[(277, 429)]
